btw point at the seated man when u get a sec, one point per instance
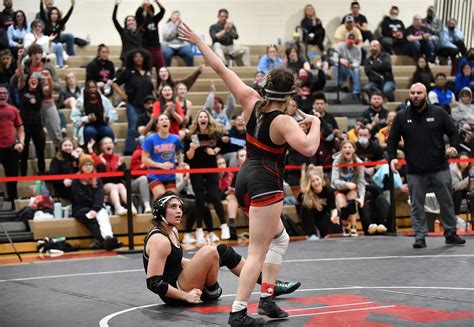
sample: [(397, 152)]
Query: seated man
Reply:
[(350, 59), (393, 29), (378, 68), (223, 33), (360, 21), (440, 95), (376, 114), (420, 41), (451, 41), (348, 28), (433, 23)]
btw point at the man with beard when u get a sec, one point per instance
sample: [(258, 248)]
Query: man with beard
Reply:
[(423, 127), (378, 68), (376, 114)]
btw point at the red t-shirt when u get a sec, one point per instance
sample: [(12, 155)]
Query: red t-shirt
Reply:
[(174, 126), (10, 120)]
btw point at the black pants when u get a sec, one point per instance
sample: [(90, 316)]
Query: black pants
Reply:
[(376, 208), (35, 133), (91, 224), (191, 213), (9, 158), (457, 199), (318, 39), (207, 184), (313, 218)]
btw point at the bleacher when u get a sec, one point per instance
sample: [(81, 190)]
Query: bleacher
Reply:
[(403, 68)]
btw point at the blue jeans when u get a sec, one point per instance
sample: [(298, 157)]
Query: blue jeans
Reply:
[(68, 38), (133, 111), (344, 73), (97, 132), (426, 47), (387, 89), (185, 52), (58, 51)]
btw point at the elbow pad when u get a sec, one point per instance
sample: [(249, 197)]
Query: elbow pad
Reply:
[(156, 285)]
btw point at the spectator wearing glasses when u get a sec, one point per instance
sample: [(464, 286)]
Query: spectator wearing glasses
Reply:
[(17, 31), (270, 59)]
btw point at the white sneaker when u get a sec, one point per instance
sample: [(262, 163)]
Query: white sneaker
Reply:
[(200, 239), (225, 232), (372, 229), (346, 231), (354, 232), (213, 237), (381, 229), (188, 239), (312, 238), (134, 210), (121, 211), (147, 208)]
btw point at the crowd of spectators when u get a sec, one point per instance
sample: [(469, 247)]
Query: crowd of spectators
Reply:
[(163, 134)]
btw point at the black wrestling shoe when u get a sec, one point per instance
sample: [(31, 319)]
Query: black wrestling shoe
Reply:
[(209, 296), (454, 239), (240, 318), (269, 308), (285, 287), (233, 233), (419, 243)]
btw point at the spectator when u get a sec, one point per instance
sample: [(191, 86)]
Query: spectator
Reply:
[(352, 134), (91, 116), (460, 180), (88, 206), (295, 61), (7, 15), (309, 84), (130, 34), (349, 184), (440, 95), (138, 84), (173, 45), (17, 31), (102, 70), (36, 37), (146, 123), (464, 112), (350, 60), (201, 146), (464, 79), (376, 114), (164, 78), (110, 162), (466, 139), (8, 68), (223, 33), (451, 41), (378, 68), (257, 80), (420, 41), (182, 99), (393, 32), (70, 92), (360, 21), (469, 58), (384, 132), (234, 141), (185, 189), (433, 23), (140, 183), (54, 24), (423, 74), (12, 141), (37, 87), (215, 106), (65, 161), (159, 153), (318, 205), (227, 193), (423, 126), (167, 105), (269, 60), (313, 30), (148, 24), (346, 29)]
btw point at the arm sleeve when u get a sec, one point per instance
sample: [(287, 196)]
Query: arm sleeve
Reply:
[(139, 16), (11, 42), (450, 130), (212, 33), (336, 182), (169, 32), (98, 201), (360, 181), (209, 104), (262, 67), (394, 138), (158, 17), (65, 19), (114, 19), (42, 14), (331, 202), (230, 108), (191, 79)]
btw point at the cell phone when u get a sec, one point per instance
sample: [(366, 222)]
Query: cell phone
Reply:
[(37, 75), (195, 140), (297, 117)]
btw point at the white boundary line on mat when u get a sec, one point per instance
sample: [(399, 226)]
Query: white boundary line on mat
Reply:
[(104, 322)]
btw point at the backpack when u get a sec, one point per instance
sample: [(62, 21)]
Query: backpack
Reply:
[(291, 227)]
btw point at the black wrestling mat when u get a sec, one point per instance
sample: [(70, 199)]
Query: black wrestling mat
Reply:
[(366, 281)]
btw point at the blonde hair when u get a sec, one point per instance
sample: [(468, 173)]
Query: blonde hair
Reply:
[(213, 129), (310, 199)]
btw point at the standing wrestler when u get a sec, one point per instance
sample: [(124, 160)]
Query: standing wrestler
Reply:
[(260, 181)]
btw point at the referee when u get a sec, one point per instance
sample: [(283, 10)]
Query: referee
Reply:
[(423, 127)]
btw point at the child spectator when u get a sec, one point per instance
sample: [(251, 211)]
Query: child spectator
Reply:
[(70, 92), (181, 91), (318, 206), (159, 152), (88, 206), (140, 183), (66, 161), (460, 178), (102, 70), (349, 183), (463, 113), (146, 123), (215, 106), (464, 79), (440, 94), (108, 161), (167, 105), (385, 131), (269, 60), (423, 74)]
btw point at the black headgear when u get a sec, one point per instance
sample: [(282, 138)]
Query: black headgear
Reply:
[(159, 207)]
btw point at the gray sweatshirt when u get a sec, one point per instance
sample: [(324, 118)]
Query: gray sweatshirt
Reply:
[(224, 117), (340, 177)]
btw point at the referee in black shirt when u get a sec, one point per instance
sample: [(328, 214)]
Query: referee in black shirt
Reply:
[(423, 127)]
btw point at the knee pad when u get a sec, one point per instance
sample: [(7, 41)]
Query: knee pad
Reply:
[(277, 248), (227, 256), (352, 207)]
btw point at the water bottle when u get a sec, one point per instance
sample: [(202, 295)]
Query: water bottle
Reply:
[(279, 42), (38, 187), (57, 210), (58, 239)]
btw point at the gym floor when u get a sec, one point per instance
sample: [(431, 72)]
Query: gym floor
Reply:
[(366, 281)]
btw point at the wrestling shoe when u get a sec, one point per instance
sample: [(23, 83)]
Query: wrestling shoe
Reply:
[(240, 318), (208, 296), (282, 288), (269, 308)]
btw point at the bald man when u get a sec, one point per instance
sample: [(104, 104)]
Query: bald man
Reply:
[(423, 127), (378, 68)]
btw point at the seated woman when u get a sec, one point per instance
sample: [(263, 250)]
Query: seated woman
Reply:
[(91, 115), (180, 281), (172, 45), (464, 79), (17, 31), (88, 206), (37, 37), (313, 30), (69, 93), (318, 204), (295, 61), (269, 60), (349, 183), (460, 180)]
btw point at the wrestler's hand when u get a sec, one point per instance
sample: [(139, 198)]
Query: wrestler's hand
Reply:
[(187, 34), (193, 296)]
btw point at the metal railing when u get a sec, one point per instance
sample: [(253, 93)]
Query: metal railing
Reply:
[(463, 11)]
